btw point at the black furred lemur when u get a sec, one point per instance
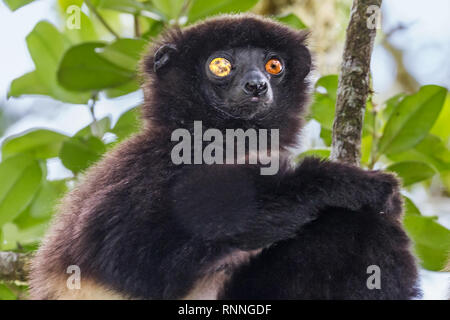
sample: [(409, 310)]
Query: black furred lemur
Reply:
[(140, 226)]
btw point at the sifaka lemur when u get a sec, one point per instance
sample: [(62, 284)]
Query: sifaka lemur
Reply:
[(140, 226)]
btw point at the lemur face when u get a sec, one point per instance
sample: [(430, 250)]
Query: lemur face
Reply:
[(244, 82), (230, 72)]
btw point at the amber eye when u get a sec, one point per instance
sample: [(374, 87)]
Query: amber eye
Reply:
[(221, 67), (274, 66)]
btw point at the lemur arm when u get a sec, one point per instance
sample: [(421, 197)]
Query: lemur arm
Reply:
[(236, 205), (332, 184)]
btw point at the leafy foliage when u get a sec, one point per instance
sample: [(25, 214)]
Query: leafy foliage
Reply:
[(16, 4), (396, 137), (412, 119), (203, 8), (412, 171), (408, 135), (83, 69), (292, 20)]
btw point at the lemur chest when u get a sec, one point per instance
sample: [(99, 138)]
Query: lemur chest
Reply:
[(210, 285)]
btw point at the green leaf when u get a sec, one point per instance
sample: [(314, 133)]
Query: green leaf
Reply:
[(430, 150), (323, 106), (291, 20), (441, 127), (47, 197), (366, 149), (129, 6), (6, 293), (85, 33), (154, 29), (318, 153), (431, 241), (412, 171), (203, 8), (82, 69), (330, 84), (170, 8), (124, 53), (25, 221), (97, 129), (445, 178), (29, 83), (13, 5), (123, 89), (78, 153), (127, 124), (46, 46), (410, 207), (434, 145), (64, 4), (13, 236), (410, 122), (391, 104), (42, 144), (326, 135), (322, 110), (21, 177), (369, 119)]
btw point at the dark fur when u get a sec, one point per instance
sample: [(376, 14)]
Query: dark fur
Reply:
[(145, 228)]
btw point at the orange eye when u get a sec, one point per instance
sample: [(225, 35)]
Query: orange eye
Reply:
[(221, 67), (274, 66)]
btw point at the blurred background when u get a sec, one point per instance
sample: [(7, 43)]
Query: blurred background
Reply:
[(59, 115)]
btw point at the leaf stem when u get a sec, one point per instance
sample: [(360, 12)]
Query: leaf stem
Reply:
[(137, 27), (373, 151), (94, 125), (183, 11), (100, 18), (375, 110)]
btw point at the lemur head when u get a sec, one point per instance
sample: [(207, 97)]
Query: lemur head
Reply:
[(229, 71)]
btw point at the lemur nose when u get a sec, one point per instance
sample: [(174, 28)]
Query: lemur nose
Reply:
[(256, 87)]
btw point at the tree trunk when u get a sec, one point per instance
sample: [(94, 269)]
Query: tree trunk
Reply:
[(354, 81)]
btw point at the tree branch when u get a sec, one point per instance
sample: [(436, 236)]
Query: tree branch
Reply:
[(354, 82), (14, 266), (404, 78)]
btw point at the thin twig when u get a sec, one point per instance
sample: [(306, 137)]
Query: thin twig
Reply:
[(100, 18), (183, 11), (94, 125), (137, 27), (91, 106), (373, 152)]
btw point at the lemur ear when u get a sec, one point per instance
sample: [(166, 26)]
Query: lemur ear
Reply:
[(306, 62), (162, 56)]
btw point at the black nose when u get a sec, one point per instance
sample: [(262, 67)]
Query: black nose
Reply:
[(256, 87)]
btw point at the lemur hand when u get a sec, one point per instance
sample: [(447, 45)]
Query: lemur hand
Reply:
[(335, 184)]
